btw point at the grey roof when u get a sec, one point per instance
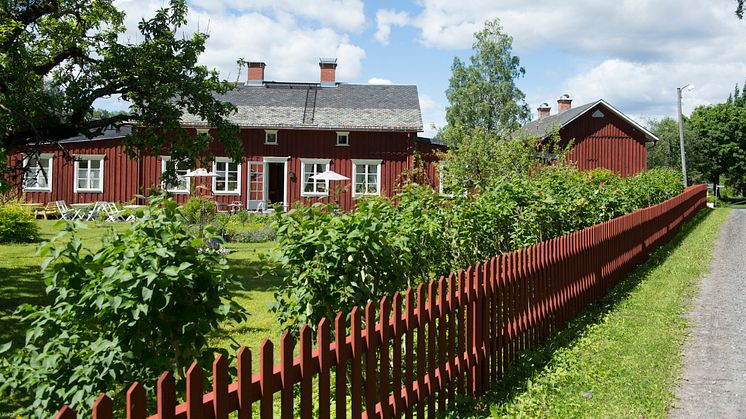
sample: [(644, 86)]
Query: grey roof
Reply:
[(432, 141), (107, 134), (543, 127), (310, 106)]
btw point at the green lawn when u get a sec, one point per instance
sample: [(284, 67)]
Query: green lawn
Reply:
[(20, 282), (622, 357)]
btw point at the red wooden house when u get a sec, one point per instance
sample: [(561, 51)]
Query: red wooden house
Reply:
[(290, 131), (602, 135)]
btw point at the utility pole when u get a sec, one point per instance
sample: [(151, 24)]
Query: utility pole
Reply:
[(681, 130)]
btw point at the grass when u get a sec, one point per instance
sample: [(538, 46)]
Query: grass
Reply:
[(620, 358)]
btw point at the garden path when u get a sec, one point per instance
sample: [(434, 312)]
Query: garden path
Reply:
[(713, 383)]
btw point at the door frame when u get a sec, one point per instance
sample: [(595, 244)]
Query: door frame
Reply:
[(284, 161)]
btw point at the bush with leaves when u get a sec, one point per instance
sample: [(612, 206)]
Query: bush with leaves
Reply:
[(244, 227), (333, 262), (199, 210), (145, 303), (17, 225)]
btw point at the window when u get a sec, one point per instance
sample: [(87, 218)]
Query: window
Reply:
[(366, 177), (89, 174), (38, 176), (343, 138), (182, 183), (270, 136), (313, 187), (228, 181)]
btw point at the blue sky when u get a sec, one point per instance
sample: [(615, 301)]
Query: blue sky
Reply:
[(632, 53)]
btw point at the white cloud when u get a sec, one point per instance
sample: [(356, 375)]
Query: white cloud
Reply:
[(385, 19), (433, 115), (376, 80)]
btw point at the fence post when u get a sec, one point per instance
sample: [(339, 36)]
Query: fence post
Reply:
[(136, 405)]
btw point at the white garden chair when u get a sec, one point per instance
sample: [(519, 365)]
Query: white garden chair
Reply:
[(112, 212), (66, 212)]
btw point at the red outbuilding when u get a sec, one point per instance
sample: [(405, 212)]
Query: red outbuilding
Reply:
[(602, 135), (290, 132)]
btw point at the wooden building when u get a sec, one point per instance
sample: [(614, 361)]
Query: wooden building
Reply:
[(602, 135), (289, 131)]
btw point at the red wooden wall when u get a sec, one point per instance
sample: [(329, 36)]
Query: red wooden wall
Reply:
[(609, 142), (123, 178)]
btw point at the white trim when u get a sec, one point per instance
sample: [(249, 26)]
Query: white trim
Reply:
[(89, 158), (345, 134), (355, 162), (164, 162), (46, 171), (226, 160), (303, 163), (203, 131), (283, 160), (267, 133)]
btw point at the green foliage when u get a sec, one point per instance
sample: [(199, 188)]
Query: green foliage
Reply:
[(484, 94), (333, 262), (199, 210), (145, 303), (17, 225), (249, 228), (666, 152), (57, 57), (721, 129)]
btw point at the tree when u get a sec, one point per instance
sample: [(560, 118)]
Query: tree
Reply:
[(739, 8), (666, 152), (57, 57), (484, 94), (722, 132)]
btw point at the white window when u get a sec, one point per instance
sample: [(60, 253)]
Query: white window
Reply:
[(310, 167), (366, 177), (38, 176), (270, 136), (343, 138), (228, 181), (89, 173), (182, 183)]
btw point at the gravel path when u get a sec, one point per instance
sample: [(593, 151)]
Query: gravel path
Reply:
[(713, 381)]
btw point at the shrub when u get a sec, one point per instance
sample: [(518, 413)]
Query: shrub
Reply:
[(199, 210), (17, 225), (243, 227), (333, 262), (147, 302)]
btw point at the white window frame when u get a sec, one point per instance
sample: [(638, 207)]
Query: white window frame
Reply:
[(346, 135), (303, 163), (267, 133), (38, 172), (89, 157), (227, 161), (164, 163), (355, 162)]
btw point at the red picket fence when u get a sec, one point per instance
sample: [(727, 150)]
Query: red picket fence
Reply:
[(451, 336)]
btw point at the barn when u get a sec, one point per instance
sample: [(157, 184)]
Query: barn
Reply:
[(602, 135), (290, 132)]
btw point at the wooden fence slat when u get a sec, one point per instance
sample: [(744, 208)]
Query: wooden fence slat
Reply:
[(325, 359), (266, 379), (102, 407), (442, 328), (356, 371), (432, 384), (409, 353), (461, 330), (399, 331), (244, 382), (421, 392), (452, 303), (370, 358), (385, 329), (468, 352), (340, 377), (165, 394), (287, 344), (306, 372), (220, 380), (136, 403), (65, 413), (194, 379)]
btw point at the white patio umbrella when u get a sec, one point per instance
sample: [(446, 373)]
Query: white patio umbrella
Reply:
[(329, 175)]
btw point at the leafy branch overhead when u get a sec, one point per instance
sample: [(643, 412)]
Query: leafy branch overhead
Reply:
[(57, 57)]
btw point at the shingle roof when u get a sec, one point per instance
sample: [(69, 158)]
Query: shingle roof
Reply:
[(310, 106), (543, 127), (107, 134)]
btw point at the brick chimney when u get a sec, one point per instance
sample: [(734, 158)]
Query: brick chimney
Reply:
[(328, 68), (256, 72), (564, 103), (544, 110)]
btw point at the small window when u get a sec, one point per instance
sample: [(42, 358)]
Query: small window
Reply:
[(38, 176), (228, 181), (89, 174), (182, 183), (366, 177), (343, 138), (313, 187), (270, 137)]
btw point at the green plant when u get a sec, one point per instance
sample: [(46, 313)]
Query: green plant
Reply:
[(17, 225), (146, 302), (199, 210), (247, 228)]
